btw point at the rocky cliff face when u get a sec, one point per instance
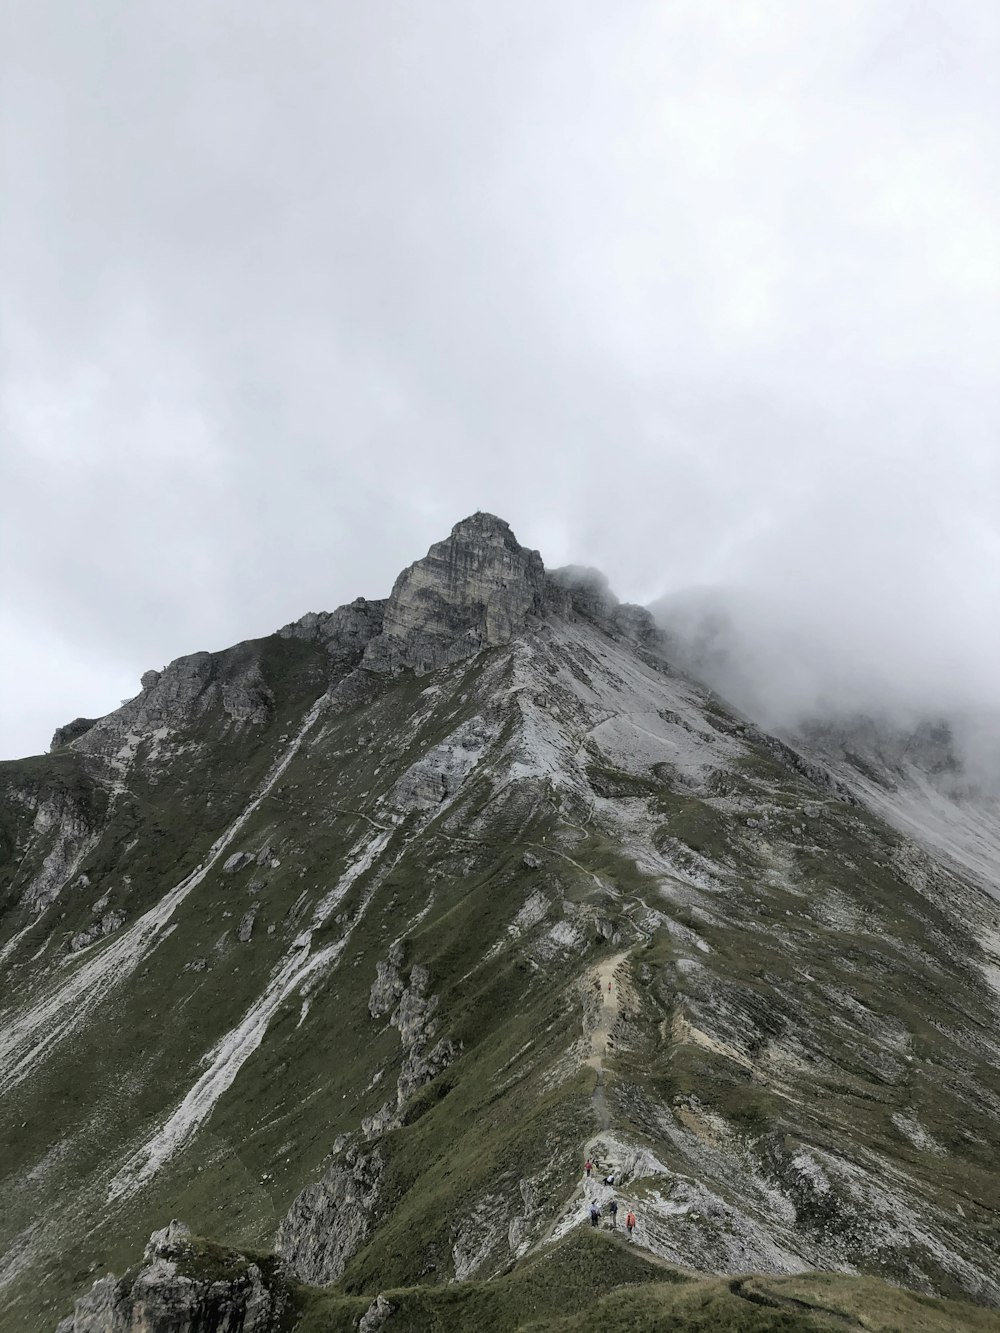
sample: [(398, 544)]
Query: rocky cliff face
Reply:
[(480, 589), (331, 1219), (475, 590), (344, 633)]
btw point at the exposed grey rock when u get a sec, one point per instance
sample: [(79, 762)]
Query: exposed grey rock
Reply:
[(95, 1312), (574, 590), (107, 925), (168, 1238), (231, 683), (441, 771), (236, 862), (167, 1295), (344, 633), (245, 929), (530, 860), (636, 623), (386, 989), (413, 1016), (376, 1316), (65, 826), (607, 930), (330, 1220), (474, 590), (71, 731)]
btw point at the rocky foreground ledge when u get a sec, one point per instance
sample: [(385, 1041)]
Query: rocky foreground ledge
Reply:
[(185, 1286)]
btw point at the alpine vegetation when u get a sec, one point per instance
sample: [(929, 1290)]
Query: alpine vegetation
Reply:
[(459, 960)]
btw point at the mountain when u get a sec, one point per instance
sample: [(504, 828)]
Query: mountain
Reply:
[(349, 945)]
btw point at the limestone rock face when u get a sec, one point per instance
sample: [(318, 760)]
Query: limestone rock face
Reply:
[(107, 925), (165, 1298), (474, 590), (63, 824), (71, 731), (330, 1220), (344, 633), (413, 1015), (177, 697)]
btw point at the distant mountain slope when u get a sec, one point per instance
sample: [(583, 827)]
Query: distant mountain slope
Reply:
[(309, 945)]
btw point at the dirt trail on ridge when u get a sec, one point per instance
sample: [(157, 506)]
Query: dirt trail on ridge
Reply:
[(599, 1037), (607, 1015)]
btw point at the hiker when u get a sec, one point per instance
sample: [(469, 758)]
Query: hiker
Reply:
[(595, 1214), (609, 1180), (588, 1166), (630, 1223), (609, 987), (614, 1213)]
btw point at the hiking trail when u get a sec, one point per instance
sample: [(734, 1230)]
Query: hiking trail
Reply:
[(591, 1188)]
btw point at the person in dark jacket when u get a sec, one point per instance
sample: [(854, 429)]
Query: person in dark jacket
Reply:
[(613, 1210)]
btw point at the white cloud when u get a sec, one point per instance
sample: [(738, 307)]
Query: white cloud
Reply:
[(698, 292)]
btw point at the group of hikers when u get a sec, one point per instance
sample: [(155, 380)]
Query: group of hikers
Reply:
[(595, 1212)]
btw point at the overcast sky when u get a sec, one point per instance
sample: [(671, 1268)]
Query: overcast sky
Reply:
[(704, 293)]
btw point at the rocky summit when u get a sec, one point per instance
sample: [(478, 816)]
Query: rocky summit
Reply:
[(329, 960)]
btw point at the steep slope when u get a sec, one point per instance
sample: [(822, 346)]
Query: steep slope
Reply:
[(309, 944)]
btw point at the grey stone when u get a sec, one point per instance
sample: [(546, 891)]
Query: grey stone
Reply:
[(474, 590), (162, 1298), (530, 860), (71, 731), (64, 825), (344, 633), (236, 862), (330, 1220), (376, 1316)]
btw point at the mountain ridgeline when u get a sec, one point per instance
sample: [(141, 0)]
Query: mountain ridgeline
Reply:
[(330, 958)]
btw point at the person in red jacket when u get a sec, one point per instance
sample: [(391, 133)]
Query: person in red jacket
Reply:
[(588, 1166), (630, 1223)]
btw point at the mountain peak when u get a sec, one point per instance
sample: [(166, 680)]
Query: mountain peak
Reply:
[(483, 526), (476, 589)]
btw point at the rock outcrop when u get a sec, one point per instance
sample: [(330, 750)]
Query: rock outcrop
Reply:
[(71, 731), (330, 1219), (413, 1014), (167, 1294), (344, 633), (231, 683), (65, 826), (477, 589), (108, 923)]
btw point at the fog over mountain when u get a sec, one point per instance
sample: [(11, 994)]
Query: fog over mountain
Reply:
[(705, 295)]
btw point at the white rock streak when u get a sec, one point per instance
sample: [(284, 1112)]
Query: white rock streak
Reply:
[(24, 1039), (228, 1056)]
